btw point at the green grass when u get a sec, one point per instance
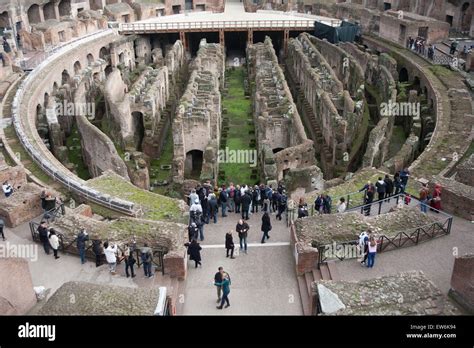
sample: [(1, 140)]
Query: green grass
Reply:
[(238, 110), (154, 207), (74, 152)]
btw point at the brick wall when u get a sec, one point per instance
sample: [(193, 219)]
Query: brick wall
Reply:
[(462, 281)]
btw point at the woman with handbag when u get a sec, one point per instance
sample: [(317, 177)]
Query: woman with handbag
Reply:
[(129, 261)]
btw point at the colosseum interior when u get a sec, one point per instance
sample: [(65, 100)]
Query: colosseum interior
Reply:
[(117, 114)]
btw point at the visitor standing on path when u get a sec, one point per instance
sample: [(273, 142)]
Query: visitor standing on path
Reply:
[(54, 242), (242, 229), (43, 236), (436, 200), (98, 251), (129, 261), (111, 256), (146, 254), (246, 200), (194, 251), (225, 290), (423, 198), (372, 248), (229, 244), (266, 226), (82, 237)]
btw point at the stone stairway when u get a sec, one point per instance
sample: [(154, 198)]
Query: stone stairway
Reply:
[(327, 271)]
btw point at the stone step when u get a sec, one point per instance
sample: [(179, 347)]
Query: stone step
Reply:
[(326, 275), (309, 280), (334, 273), (304, 295), (317, 276)]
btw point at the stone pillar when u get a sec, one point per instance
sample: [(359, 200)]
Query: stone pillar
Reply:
[(462, 282), (286, 37), (250, 37), (182, 38), (222, 37), (56, 10)]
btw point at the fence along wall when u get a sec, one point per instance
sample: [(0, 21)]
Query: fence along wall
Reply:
[(24, 103)]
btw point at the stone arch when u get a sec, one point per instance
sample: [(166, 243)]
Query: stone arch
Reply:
[(77, 67), (4, 20), (90, 59), (48, 11), (277, 149), (121, 58), (65, 77), (403, 75), (108, 70), (466, 16), (104, 53), (34, 14), (64, 8), (46, 100), (55, 88)]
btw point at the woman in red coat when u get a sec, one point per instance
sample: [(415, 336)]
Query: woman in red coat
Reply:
[(436, 200)]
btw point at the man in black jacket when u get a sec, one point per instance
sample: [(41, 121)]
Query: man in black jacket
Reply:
[(43, 235), (388, 187), (82, 237), (213, 208), (218, 279), (242, 229), (246, 199)]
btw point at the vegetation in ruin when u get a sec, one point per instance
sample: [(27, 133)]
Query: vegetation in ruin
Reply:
[(74, 152), (154, 206), (241, 132)]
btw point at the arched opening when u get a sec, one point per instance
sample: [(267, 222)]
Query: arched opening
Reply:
[(46, 100), (277, 149), (48, 11), (90, 59), (65, 78), (65, 8), (4, 20), (466, 16), (77, 67), (121, 58), (34, 14), (403, 75), (104, 54), (108, 70), (55, 88), (96, 77), (417, 85), (139, 133), (193, 164)]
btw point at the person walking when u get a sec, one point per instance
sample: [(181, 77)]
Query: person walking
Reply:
[(223, 198), (43, 236), (237, 199), (218, 277), (231, 196), (229, 244), (82, 237), (54, 242), (397, 183), (436, 200), (146, 255), (282, 201), (193, 231), (111, 256), (423, 198), (372, 250), (242, 229), (129, 261), (341, 206), (2, 225), (225, 291), (213, 207), (381, 188), (194, 250), (364, 245), (388, 187), (266, 226), (302, 208), (98, 251)]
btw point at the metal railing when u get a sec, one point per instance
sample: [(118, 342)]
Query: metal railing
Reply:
[(215, 25)]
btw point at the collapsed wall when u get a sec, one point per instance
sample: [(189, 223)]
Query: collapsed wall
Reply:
[(197, 122), (282, 142)]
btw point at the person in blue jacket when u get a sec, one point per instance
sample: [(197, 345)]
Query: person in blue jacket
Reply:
[(225, 290)]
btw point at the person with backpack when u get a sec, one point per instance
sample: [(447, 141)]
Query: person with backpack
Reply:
[(364, 245), (193, 231), (424, 198), (110, 251), (213, 207), (82, 237), (146, 255), (242, 229), (223, 198), (2, 224), (229, 244), (205, 209), (255, 199), (368, 197), (43, 236), (246, 200), (237, 199), (274, 201), (54, 242), (397, 183), (381, 188), (266, 226), (231, 195), (225, 290), (129, 261), (372, 250), (318, 204), (194, 251), (98, 251), (283, 199), (404, 175)]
